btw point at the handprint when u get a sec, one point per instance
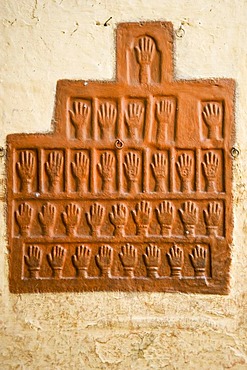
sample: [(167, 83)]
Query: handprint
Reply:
[(54, 169), (79, 117), (81, 260), (145, 50), (159, 167), (184, 165), (104, 260), (23, 218), (71, 218), (80, 169), (152, 259), (176, 260), (106, 170), (47, 218), (189, 216), (132, 170), (128, 257), (212, 217), (56, 260), (198, 260), (212, 117), (25, 168), (33, 260), (133, 118), (142, 217), (165, 215), (164, 115), (210, 166), (118, 218), (95, 218), (107, 115)]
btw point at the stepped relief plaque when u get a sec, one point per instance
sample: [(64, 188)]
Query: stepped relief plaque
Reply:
[(132, 191)]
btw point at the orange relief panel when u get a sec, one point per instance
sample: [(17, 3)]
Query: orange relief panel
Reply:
[(132, 191)]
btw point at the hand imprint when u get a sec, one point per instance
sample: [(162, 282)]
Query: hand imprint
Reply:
[(23, 218), (47, 219), (80, 169), (104, 260), (128, 257), (95, 218), (107, 115), (106, 170), (71, 218), (33, 260), (81, 260), (159, 167), (176, 260), (145, 50), (133, 117), (198, 260), (212, 217), (212, 117), (79, 117), (25, 170), (56, 260), (165, 215), (142, 217), (54, 169), (164, 115), (210, 166), (132, 170), (189, 216), (184, 165), (152, 260), (118, 218)]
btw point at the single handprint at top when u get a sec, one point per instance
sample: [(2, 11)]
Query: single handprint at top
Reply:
[(80, 169), (132, 170), (159, 167), (176, 261), (152, 260), (134, 119), (164, 116), (25, 168), (142, 217), (56, 260), (104, 260), (198, 260), (95, 218), (213, 118), (211, 166), (185, 170), (107, 115), (118, 218), (165, 215), (71, 218), (47, 219), (79, 117), (81, 260), (128, 257), (23, 218), (212, 217), (189, 216), (33, 260), (106, 170), (145, 50), (54, 169)]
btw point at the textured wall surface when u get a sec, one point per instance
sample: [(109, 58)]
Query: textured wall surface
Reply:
[(47, 40)]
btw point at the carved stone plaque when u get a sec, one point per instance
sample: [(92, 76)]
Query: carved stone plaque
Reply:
[(132, 191)]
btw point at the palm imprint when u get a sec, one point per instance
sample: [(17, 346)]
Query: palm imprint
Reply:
[(185, 170), (106, 170), (56, 260), (142, 217), (159, 167), (198, 260), (23, 218), (165, 215), (104, 260), (134, 118), (81, 260), (132, 170), (189, 216), (176, 260), (145, 50), (54, 169), (79, 117), (213, 118), (152, 260), (164, 116), (25, 168), (80, 169), (128, 257), (47, 219), (95, 218), (107, 115), (118, 218), (210, 166), (33, 260)]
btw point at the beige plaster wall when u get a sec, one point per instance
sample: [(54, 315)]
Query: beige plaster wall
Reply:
[(46, 40)]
